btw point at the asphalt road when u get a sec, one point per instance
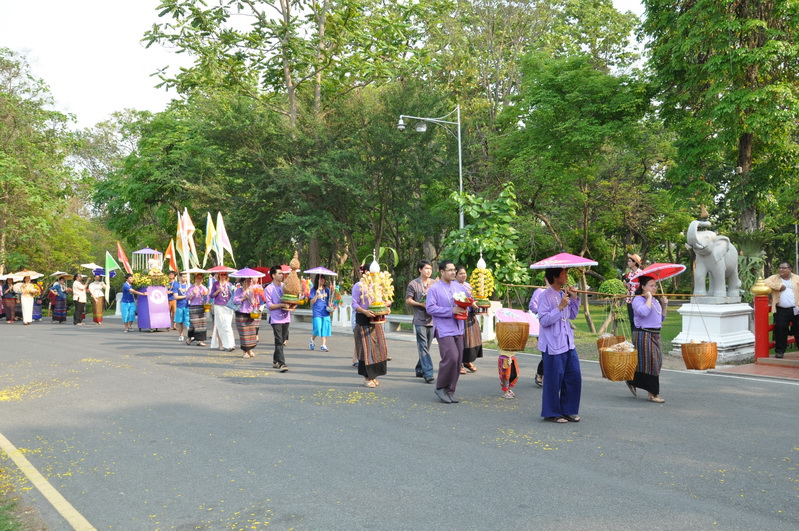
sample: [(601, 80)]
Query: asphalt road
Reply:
[(138, 431)]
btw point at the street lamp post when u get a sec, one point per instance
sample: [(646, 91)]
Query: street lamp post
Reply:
[(421, 127)]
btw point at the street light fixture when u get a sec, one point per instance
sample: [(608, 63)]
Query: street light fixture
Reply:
[(421, 127)]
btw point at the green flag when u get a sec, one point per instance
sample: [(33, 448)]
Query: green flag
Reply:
[(110, 265)]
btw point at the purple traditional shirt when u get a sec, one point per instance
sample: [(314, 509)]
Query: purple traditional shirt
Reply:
[(225, 292), (647, 317), (196, 294), (356, 298), (534, 300), (273, 294), (440, 302), (247, 305), (555, 335)]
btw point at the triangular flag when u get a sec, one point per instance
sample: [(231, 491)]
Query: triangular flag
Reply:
[(124, 259), (170, 255), (110, 265), (222, 241), (188, 231), (210, 238), (180, 241)]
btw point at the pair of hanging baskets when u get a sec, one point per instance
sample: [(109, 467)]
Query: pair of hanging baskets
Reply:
[(616, 366), (700, 356)]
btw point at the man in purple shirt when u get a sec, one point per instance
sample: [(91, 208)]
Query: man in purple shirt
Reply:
[(448, 330), (562, 378), (279, 316)]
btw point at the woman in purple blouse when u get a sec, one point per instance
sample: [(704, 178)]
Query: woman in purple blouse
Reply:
[(649, 314)]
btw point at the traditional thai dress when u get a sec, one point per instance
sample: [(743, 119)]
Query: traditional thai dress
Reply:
[(508, 370), (223, 316), (370, 340), (27, 294), (448, 332), (472, 336), (196, 295), (37, 305), (60, 308), (562, 377), (280, 319), (246, 326), (97, 290), (646, 338), (9, 302)]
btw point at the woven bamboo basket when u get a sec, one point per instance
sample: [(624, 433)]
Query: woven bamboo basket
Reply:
[(512, 336), (700, 356), (618, 366), (604, 342)]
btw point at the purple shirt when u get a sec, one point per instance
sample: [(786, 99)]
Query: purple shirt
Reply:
[(534, 300), (225, 292), (439, 305), (555, 335), (196, 295), (356, 298), (647, 317), (273, 294), (246, 303)]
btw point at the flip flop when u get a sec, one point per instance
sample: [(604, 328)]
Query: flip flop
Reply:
[(539, 380), (557, 420), (572, 418), (632, 389)]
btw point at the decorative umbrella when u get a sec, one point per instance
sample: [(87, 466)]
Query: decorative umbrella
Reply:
[(563, 260), (321, 271), (267, 278), (92, 266), (247, 273), (660, 271), (27, 273), (194, 270), (59, 274), (220, 269), (285, 268), (12, 276), (505, 315)]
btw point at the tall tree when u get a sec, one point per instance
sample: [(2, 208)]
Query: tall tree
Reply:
[(727, 77)]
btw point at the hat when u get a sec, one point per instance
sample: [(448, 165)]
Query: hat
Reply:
[(635, 258)]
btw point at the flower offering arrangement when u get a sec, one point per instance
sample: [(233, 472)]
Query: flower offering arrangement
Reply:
[(379, 287), (464, 301), (482, 283)]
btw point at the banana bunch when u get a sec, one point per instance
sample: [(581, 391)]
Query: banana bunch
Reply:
[(482, 283)]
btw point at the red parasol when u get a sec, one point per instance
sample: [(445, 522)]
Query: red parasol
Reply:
[(267, 278), (660, 271), (563, 260), (220, 269)]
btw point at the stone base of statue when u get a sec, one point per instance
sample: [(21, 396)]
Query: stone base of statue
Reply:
[(728, 325)]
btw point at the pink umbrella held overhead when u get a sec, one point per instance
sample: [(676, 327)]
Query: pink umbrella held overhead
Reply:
[(505, 315), (221, 269), (661, 271), (247, 273), (321, 271), (563, 260)]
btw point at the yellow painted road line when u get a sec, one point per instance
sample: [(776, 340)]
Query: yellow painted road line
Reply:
[(59, 503)]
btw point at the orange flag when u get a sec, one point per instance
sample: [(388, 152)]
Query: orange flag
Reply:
[(170, 255), (124, 259)]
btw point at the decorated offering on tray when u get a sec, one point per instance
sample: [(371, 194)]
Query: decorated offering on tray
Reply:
[(482, 283), (464, 301), (377, 286), (292, 286)]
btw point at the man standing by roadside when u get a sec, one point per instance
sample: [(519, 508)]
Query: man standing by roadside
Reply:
[(79, 298), (415, 297), (784, 298), (279, 316), (448, 330)]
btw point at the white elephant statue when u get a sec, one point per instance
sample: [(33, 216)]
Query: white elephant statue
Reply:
[(715, 256)]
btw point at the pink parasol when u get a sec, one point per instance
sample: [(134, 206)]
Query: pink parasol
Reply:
[(563, 260), (321, 271), (247, 273), (220, 269), (660, 271), (505, 315)]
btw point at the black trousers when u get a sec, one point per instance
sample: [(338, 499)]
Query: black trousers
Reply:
[(281, 333), (784, 320), (80, 307)]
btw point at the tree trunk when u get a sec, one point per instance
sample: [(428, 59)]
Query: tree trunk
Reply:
[(313, 252), (748, 221), (291, 89), (586, 310)]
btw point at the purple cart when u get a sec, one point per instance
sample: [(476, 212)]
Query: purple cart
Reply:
[(153, 309)]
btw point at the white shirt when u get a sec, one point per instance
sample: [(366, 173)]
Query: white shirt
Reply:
[(78, 291), (786, 296), (97, 289)]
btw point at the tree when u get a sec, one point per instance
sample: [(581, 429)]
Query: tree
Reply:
[(727, 78)]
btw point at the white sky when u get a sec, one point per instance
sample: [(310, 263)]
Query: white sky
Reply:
[(88, 52)]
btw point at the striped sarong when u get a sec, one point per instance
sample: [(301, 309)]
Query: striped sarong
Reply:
[(97, 309), (248, 330), (198, 323), (650, 358), (9, 307), (60, 311), (370, 346), (472, 339), (37, 309)]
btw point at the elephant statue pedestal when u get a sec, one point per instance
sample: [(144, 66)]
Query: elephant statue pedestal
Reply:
[(728, 325)]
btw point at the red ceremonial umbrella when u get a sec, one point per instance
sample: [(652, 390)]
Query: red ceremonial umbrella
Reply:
[(267, 278), (220, 269), (563, 260), (660, 271)]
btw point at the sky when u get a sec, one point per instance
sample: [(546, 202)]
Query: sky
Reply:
[(89, 52)]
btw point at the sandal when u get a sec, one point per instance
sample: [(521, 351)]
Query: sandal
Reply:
[(557, 420), (539, 380), (632, 389), (572, 418), (656, 399), (471, 368), (507, 394), (369, 383), (463, 371)]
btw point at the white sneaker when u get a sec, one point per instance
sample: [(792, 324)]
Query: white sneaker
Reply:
[(181, 339)]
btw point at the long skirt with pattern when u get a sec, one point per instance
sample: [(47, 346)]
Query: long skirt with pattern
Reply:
[(472, 339), (60, 311), (650, 360), (198, 325), (37, 309), (508, 371), (248, 330), (370, 345), (97, 309), (9, 307)]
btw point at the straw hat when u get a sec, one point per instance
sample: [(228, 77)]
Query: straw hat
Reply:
[(635, 258)]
